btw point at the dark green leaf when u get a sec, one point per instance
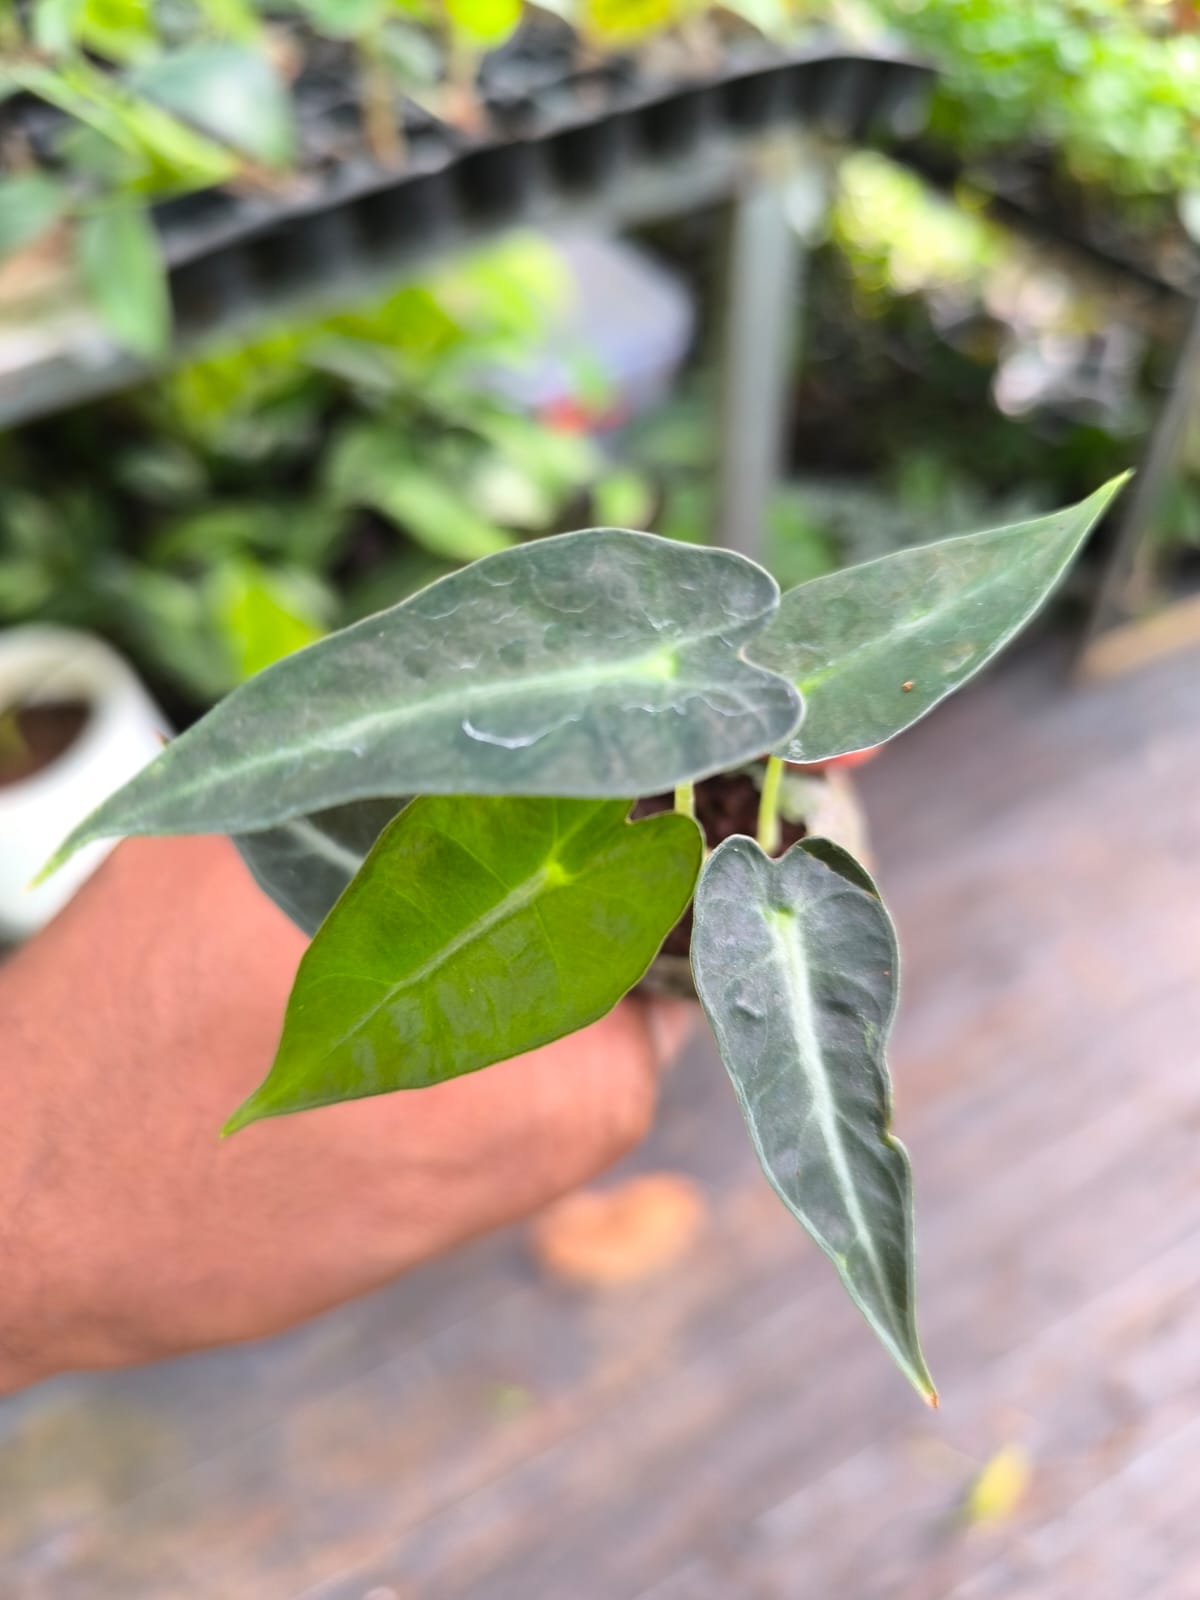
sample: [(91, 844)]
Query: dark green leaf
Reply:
[(29, 206), (593, 665), (795, 964), (229, 91), (305, 864), (123, 270), (476, 930), (874, 647)]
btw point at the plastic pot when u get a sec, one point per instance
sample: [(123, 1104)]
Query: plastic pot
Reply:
[(119, 730)]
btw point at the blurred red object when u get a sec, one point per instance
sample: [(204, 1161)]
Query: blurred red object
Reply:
[(853, 758)]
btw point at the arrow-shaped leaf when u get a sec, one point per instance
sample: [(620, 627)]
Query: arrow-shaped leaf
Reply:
[(476, 930), (874, 647), (596, 665), (305, 864), (795, 964)]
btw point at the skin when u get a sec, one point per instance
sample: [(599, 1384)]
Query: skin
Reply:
[(134, 1024)]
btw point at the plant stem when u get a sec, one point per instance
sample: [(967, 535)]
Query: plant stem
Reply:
[(768, 806), (685, 799), (381, 118)]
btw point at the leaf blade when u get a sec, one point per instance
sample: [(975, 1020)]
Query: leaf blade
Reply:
[(873, 648), (476, 930), (592, 665), (795, 963)]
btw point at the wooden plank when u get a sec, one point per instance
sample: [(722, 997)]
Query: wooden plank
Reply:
[(729, 1429)]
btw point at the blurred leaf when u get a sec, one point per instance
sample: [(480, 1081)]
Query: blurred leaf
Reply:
[(344, 19), (236, 19), (620, 20), (54, 25), (304, 533), (623, 498), (161, 471), (1000, 1487), (174, 156), (123, 270), (119, 30), (487, 22), (367, 467), (504, 494), (228, 90), (29, 206), (263, 615)]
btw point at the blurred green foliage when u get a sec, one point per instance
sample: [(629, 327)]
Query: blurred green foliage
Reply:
[(1111, 86), (235, 509)]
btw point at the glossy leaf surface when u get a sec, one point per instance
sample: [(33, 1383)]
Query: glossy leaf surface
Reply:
[(874, 647), (477, 929), (305, 864), (593, 665), (795, 964)]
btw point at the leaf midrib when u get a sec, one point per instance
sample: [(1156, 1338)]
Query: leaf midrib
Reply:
[(792, 952), (515, 900), (349, 732)]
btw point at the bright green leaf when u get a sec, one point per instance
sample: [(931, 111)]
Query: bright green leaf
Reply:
[(795, 964), (263, 615), (123, 269), (874, 647), (476, 930), (593, 664), (305, 864), (620, 20), (29, 206), (229, 91), (487, 22)]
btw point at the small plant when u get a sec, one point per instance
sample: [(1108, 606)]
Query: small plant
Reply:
[(527, 701)]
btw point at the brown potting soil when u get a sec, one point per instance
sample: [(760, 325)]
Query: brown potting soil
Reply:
[(725, 805), (36, 736)]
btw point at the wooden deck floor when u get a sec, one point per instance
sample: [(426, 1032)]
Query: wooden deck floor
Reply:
[(729, 1431)]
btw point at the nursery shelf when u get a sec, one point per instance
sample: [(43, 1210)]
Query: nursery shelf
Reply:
[(617, 152)]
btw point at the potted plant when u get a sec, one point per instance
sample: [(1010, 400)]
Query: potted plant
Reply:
[(75, 723), (528, 701)]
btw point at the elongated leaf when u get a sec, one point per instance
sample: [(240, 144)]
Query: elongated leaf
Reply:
[(305, 864), (230, 91), (874, 647), (795, 964), (476, 930), (122, 267), (592, 665)]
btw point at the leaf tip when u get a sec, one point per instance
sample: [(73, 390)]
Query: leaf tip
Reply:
[(248, 1112)]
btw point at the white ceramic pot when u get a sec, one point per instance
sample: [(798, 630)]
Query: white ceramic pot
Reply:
[(124, 730)]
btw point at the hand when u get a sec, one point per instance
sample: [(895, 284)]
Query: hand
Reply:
[(137, 1021)]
